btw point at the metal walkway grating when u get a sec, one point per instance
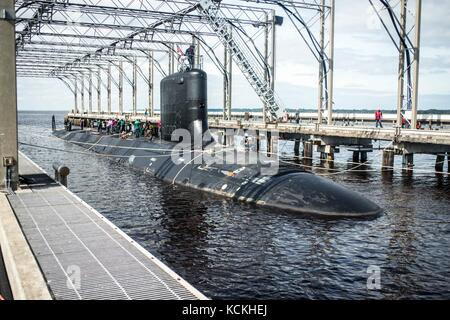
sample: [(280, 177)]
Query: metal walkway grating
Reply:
[(67, 236)]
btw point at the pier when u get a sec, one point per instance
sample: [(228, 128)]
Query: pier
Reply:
[(91, 63), (56, 246), (326, 139)]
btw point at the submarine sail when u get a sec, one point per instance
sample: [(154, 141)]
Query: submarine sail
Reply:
[(184, 103)]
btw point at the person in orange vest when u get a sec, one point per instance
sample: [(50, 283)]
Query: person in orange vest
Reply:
[(404, 123), (378, 118)]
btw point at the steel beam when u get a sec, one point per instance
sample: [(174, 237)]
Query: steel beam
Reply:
[(99, 91), (401, 65), (415, 66), (108, 89), (150, 84), (331, 63), (134, 86), (120, 87)]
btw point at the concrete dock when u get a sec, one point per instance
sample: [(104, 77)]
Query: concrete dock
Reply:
[(56, 246)]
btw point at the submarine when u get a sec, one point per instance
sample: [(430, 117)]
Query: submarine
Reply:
[(201, 165)]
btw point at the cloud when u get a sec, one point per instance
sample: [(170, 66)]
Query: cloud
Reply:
[(366, 63)]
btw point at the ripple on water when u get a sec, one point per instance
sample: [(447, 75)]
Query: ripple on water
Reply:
[(230, 250)]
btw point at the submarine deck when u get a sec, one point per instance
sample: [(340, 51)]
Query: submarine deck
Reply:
[(81, 254)]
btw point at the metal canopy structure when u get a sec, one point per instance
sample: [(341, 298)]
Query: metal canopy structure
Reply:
[(394, 16), (78, 40)]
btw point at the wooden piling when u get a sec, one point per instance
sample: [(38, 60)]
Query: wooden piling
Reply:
[(448, 161), (388, 160), (440, 159), (355, 156), (258, 145), (269, 144), (297, 148), (307, 151), (363, 157), (408, 161)]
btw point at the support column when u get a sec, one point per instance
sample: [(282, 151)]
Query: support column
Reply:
[(76, 94), (269, 145), (330, 158), (8, 98), (151, 64), (225, 81), (448, 161), (331, 66), (229, 71), (388, 160), (355, 156), (321, 63), (197, 54), (363, 156), (134, 86), (307, 152), (82, 94), (273, 58), (297, 148), (108, 88), (408, 161), (327, 154), (90, 92), (258, 142), (266, 60), (415, 66), (120, 87), (401, 65), (171, 59), (99, 91), (439, 166)]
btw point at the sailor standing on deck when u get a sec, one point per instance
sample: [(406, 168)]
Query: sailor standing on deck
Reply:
[(378, 118), (297, 117), (137, 128)]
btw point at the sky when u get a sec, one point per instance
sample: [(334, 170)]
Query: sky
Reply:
[(366, 63)]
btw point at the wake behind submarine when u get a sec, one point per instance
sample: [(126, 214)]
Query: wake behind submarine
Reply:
[(184, 106)]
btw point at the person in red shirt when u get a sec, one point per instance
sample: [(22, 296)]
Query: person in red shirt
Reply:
[(378, 118)]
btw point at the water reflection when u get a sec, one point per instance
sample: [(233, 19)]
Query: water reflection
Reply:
[(230, 250)]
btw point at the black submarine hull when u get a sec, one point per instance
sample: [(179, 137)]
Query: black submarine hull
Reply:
[(289, 189)]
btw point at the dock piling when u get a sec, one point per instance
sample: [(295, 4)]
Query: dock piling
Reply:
[(388, 160), (297, 148), (440, 159), (448, 161), (355, 157), (307, 152), (408, 162)]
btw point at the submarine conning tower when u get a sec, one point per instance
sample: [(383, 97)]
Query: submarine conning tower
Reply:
[(184, 103)]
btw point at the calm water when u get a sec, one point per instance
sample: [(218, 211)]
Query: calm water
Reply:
[(231, 250)]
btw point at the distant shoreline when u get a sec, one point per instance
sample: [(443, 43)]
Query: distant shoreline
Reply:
[(390, 111)]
